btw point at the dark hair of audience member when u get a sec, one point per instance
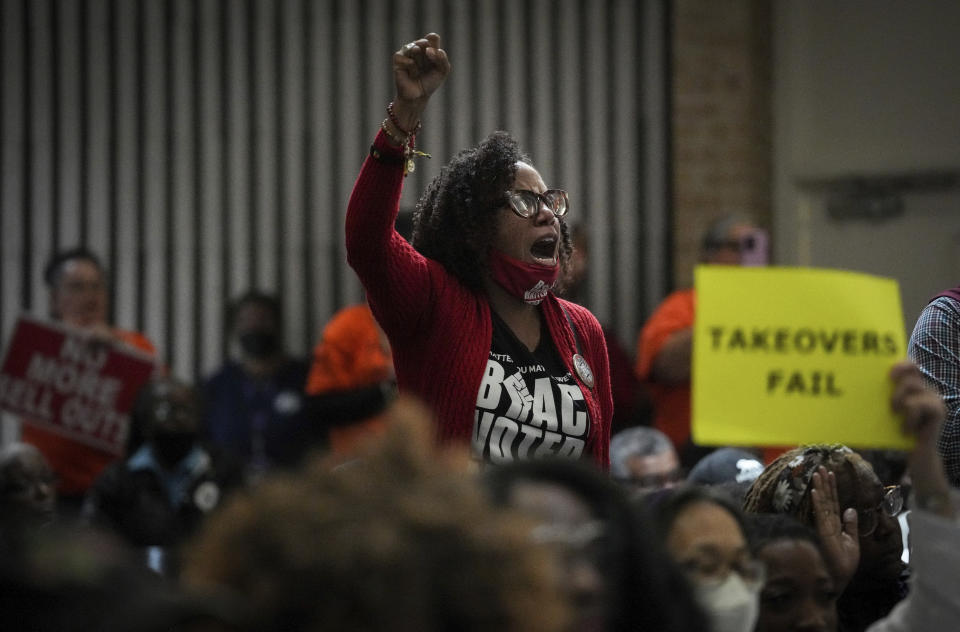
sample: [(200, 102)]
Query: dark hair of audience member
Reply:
[(650, 591), (27, 488), (83, 580), (799, 590), (398, 540), (668, 504), (765, 528), (53, 268)]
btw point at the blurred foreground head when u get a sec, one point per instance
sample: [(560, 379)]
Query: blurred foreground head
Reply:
[(27, 487), (402, 539), (614, 572), (82, 580), (785, 485)]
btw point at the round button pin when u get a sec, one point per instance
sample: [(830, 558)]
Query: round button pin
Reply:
[(583, 370)]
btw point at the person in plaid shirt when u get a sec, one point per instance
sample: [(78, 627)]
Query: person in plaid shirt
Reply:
[(935, 348)]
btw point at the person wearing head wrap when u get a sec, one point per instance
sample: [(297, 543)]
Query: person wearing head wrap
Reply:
[(879, 580)]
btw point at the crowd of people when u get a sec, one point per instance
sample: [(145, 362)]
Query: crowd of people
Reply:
[(449, 458)]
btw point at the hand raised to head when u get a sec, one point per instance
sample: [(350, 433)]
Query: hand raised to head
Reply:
[(838, 532)]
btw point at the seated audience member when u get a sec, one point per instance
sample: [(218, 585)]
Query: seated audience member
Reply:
[(254, 406), (704, 532), (643, 460), (82, 580), (351, 382), (799, 593), (615, 573), (78, 298), (665, 344), (936, 533), (28, 493), (732, 470), (877, 579), (403, 541), (162, 492)]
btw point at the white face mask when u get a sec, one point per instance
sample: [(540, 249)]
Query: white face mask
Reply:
[(731, 605)]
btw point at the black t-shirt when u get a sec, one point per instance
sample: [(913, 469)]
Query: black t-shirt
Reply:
[(528, 405)]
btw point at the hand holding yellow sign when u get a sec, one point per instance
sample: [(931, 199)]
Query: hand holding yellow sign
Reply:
[(786, 356)]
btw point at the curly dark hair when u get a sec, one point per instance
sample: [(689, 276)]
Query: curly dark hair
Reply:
[(455, 220)]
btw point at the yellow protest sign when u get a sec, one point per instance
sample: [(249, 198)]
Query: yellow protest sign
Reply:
[(787, 356)]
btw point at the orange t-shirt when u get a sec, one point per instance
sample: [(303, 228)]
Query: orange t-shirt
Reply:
[(671, 401), (78, 465)]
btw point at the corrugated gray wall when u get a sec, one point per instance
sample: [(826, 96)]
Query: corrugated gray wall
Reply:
[(204, 147)]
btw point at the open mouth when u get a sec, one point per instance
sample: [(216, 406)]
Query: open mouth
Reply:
[(545, 249)]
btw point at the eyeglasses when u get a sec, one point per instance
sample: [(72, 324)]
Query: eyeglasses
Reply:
[(527, 203), (892, 504), (706, 569), (748, 243), (653, 481)]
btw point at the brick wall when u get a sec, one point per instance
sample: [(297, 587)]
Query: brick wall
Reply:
[(721, 118)]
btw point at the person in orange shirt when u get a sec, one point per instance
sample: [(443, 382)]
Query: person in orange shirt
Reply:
[(665, 344), (351, 380), (78, 298)]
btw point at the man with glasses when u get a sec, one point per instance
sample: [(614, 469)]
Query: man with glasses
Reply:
[(643, 460), (79, 299), (665, 344)]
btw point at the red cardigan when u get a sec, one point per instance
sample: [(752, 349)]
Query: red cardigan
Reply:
[(440, 331)]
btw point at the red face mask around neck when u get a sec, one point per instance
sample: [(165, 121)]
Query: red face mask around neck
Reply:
[(527, 281)]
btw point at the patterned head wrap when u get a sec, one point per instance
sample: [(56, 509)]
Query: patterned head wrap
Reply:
[(784, 485)]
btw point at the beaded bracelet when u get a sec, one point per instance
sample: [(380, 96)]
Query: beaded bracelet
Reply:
[(397, 140), (396, 122), (409, 152)]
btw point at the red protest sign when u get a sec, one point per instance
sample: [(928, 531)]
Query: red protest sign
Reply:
[(65, 381)]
